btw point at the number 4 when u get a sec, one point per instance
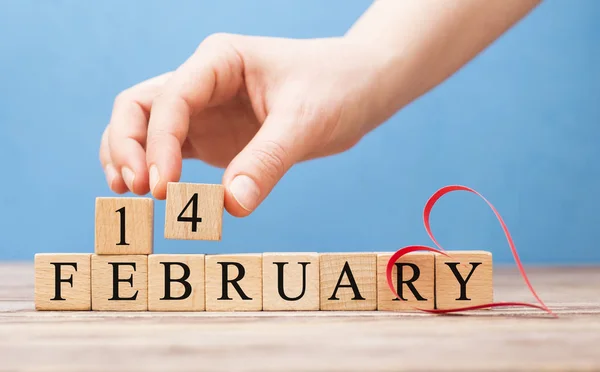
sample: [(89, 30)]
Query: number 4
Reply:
[(194, 219)]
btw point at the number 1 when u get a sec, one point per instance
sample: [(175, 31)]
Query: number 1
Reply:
[(122, 213)]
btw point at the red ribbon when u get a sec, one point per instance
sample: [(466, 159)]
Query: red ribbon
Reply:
[(414, 248)]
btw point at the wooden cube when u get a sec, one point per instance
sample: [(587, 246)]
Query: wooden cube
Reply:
[(62, 281), (290, 281), (464, 279), (414, 279), (234, 282), (348, 281), (176, 282), (194, 211), (124, 226), (120, 283)]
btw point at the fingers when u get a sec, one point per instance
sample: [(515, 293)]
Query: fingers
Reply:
[(213, 74), (122, 151)]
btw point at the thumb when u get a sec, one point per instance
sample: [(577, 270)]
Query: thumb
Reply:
[(254, 172)]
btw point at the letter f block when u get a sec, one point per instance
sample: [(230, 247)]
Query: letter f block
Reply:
[(62, 282)]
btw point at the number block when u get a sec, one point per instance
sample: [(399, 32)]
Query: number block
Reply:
[(348, 281), (62, 281), (124, 226), (413, 278), (176, 282), (463, 279), (234, 282), (120, 283), (194, 211), (290, 281)]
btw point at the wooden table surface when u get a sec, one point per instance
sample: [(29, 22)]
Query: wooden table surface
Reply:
[(515, 339)]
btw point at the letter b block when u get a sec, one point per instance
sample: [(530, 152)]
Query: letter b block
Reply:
[(290, 281), (234, 282), (120, 283), (62, 282), (176, 282), (348, 281), (463, 279)]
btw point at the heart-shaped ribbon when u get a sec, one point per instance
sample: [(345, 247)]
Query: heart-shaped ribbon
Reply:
[(414, 248)]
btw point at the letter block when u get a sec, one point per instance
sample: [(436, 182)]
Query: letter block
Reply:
[(463, 279), (290, 281), (234, 282), (62, 281), (348, 281), (124, 226), (194, 211), (176, 282), (120, 283), (414, 279)]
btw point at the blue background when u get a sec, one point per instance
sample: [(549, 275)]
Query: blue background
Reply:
[(521, 124)]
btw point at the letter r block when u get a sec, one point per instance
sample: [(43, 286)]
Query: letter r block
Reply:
[(463, 279), (62, 281), (176, 282), (120, 283), (233, 282), (290, 281), (348, 281), (412, 277)]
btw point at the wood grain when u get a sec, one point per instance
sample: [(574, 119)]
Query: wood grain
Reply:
[(130, 296), (495, 340), (72, 295), (336, 268), (210, 204), (250, 282), (300, 281), (139, 226), (194, 264), (478, 288)]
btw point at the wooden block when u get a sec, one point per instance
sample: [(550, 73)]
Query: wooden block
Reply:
[(62, 281), (417, 279), (194, 211), (234, 282), (120, 283), (176, 282), (464, 279), (348, 281), (290, 281), (124, 226)]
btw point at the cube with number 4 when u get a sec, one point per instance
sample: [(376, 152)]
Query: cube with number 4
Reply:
[(194, 211)]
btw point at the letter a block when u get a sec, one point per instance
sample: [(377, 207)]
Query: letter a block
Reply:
[(463, 279), (194, 211), (348, 281), (176, 282), (124, 226), (62, 282), (290, 281), (234, 282), (413, 278), (120, 283)]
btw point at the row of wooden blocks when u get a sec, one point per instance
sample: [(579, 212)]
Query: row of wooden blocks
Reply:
[(254, 282)]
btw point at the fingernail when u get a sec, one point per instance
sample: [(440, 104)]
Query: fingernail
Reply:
[(111, 174), (245, 192), (154, 177), (128, 177)]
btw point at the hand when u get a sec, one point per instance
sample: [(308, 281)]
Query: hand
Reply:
[(252, 104)]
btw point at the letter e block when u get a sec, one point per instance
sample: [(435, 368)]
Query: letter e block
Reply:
[(348, 281), (194, 211), (413, 278), (463, 279), (124, 226), (290, 281), (120, 283), (176, 282), (62, 281), (234, 282)]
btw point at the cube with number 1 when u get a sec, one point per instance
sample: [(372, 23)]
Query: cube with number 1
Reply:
[(194, 211)]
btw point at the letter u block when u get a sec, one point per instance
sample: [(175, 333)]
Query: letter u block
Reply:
[(290, 281), (176, 282), (234, 282), (120, 283), (62, 281), (463, 279), (348, 281)]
